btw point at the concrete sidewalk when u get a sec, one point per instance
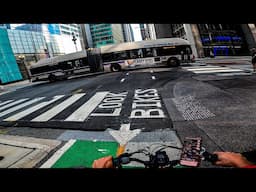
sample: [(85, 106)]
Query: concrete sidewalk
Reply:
[(24, 152)]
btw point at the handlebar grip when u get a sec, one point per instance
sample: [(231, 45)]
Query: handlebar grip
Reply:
[(210, 157)]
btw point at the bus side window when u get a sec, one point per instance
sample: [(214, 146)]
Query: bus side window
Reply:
[(148, 52), (133, 55), (140, 53), (154, 52), (136, 53)]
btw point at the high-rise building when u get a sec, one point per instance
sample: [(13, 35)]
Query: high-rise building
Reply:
[(147, 31), (69, 29), (221, 39), (9, 70), (104, 34), (128, 33), (61, 34), (6, 26)]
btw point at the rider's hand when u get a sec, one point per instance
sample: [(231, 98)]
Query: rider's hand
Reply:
[(231, 159), (104, 162)]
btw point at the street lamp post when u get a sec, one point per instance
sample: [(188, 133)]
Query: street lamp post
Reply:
[(74, 39)]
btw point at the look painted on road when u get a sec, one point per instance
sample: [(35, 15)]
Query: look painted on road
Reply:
[(101, 111)]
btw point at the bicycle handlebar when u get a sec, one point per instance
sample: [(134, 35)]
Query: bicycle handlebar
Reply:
[(161, 160)]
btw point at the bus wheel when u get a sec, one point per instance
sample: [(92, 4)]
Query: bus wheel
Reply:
[(52, 78), (173, 62), (115, 67)]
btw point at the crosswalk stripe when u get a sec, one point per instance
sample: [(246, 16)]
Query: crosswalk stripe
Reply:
[(6, 102), (13, 103), (208, 68), (57, 109), (33, 109), (84, 111), (20, 106), (218, 71)]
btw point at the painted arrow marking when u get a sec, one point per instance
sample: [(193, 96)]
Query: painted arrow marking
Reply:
[(124, 135)]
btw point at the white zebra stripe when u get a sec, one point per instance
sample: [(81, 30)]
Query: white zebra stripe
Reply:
[(33, 109), (218, 71), (6, 102), (57, 109), (13, 103), (84, 111), (20, 106)]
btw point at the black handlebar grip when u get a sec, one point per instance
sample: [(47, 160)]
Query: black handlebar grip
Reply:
[(210, 157)]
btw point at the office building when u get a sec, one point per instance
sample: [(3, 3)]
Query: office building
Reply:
[(147, 31), (6, 26), (128, 33), (104, 34), (221, 39), (9, 70)]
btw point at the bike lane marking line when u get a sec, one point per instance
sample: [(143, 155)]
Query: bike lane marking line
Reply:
[(84, 111), (123, 136), (58, 154)]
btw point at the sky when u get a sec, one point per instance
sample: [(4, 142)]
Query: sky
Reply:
[(135, 28), (136, 32)]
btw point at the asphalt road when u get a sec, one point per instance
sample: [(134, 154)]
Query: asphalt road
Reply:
[(218, 106)]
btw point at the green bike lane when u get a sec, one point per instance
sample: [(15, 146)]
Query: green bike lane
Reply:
[(87, 147)]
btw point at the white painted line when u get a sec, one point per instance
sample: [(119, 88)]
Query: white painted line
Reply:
[(54, 158), (32, 109), (6, 102), (57, 109), (207, 68), (232, 74), (124, 135), (122, 80), (218, 71), (153, 77), (84, 111), (14, 103), (203, 67), (127, 73), (20, 106)]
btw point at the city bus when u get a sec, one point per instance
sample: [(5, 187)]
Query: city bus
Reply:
[(167, 51), (63, 66)]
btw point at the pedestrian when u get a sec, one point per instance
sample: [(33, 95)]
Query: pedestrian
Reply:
[(253, 50), (211, 54)]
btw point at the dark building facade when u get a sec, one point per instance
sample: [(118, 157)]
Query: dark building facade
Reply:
[(219, 39)]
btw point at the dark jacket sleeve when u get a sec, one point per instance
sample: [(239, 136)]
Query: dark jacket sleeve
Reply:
[(250, 156)]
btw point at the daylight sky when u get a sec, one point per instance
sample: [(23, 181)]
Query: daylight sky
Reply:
[(135, 28)]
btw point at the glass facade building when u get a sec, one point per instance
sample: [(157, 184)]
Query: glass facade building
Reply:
[(104, 34), (219, 39), (9, 70)]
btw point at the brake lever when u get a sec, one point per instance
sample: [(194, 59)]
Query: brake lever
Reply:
[(206, 156)]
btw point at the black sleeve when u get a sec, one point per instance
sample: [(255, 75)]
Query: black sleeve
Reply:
[(250, 155)]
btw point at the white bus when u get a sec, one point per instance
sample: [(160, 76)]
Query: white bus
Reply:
[(147, 53), (60, 67)]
